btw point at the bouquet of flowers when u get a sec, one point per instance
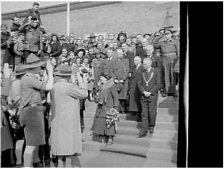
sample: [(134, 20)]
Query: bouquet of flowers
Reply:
[(112, 116)]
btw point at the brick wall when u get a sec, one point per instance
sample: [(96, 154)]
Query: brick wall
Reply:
[(130, 17)]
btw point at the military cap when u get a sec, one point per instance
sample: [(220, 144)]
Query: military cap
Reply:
[(92, 35), (36, 3)]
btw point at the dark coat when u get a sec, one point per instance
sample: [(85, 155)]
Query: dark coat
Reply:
[(32, 13), (4, 38), (106, 67), (99, 125), (133, 91), (15, 27), (55, 49), (120, 71), (140, 52), (154, 84), (130, 56)]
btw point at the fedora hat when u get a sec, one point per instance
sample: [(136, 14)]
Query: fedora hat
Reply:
[(20, 70), (33, 61), (63, 70), (92, 35)]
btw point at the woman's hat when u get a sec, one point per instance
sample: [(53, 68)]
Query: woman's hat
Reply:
[(20, 70), (63, 70), (33, 61), (84, 52)]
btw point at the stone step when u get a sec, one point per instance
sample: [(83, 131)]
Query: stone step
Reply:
[(163, 155), (159, 125), (148, 140), (126, 149), (168, 105), (170, 111), (159, 117), (158, 164), (158, 134), (89, 145)]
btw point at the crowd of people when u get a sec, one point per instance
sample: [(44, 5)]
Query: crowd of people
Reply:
[(47, 79)]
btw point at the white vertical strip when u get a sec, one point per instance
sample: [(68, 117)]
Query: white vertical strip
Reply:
[(186, 91), (68, 18)]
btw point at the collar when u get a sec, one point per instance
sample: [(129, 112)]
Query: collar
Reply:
[(149, 69), (138, 65)]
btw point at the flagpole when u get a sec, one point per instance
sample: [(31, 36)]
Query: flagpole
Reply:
[(68, 18)]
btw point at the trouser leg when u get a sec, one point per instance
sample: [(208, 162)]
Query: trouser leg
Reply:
[(152, 112), (144, 115)]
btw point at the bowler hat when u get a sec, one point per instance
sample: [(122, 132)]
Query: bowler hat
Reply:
[(64, 70), (168, 31), (20, 70), (92, 35), (133, 36), (33, 61)]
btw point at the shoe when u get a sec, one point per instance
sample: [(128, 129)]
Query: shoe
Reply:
[(164, 94), (47, 163), (151, 130), (142, 134), (38, 165), (110, 142)]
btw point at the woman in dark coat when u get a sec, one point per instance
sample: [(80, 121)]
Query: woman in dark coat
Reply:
[(108, 99), (55, 46)]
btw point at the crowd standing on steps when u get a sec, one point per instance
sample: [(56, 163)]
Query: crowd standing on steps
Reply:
[(46, 81)]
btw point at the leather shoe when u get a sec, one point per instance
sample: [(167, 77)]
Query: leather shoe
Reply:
[(142, 134), (151, 130)]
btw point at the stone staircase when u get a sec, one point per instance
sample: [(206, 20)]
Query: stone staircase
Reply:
[(160, 148)]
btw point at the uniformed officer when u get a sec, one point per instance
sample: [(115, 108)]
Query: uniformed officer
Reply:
[(170, 55)]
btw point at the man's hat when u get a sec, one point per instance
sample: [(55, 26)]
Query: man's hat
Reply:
[(168, 31), (168, 27), (92, 35), (21, 33), (133, 36), (33, 61), (147, 34), (14, 16), (63, 70), (105, 76), (20, 70)]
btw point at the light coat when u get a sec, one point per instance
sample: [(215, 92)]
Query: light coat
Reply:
[(65, 119)]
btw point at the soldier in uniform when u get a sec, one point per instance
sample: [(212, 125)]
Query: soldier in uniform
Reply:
[(149, 84), (33, 32), (170, 55)]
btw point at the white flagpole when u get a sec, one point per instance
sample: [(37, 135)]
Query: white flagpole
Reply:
[(68, 18)]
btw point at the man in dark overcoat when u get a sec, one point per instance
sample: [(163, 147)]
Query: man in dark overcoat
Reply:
[(133, 96), (130, 56), (140, 49), (149, 84), (120, 71)]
